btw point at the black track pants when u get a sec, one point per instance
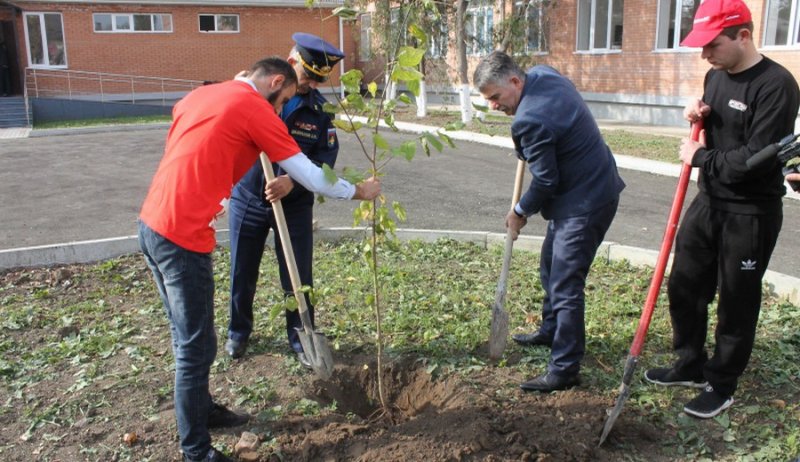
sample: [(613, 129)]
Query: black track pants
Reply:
[(729, 252)]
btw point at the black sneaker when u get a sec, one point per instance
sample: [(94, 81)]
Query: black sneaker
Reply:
[(220, 416), (708, 404), (668, 377), (212, 456)]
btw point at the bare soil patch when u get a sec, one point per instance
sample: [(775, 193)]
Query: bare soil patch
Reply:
[(85, 358)]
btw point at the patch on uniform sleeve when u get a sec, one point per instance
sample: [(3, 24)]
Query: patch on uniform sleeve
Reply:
[(331, 137)]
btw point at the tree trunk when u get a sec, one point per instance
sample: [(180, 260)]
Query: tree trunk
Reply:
[(461, 50)]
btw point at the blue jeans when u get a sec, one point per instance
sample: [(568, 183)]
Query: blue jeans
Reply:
[(185, 281), (567, 253)]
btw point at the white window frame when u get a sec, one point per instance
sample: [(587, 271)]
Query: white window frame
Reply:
[(481, 43), (666, 18), (438, 40), (590, 21), (793, 32), (45, 45), (365, 45), (131, 21), (538, 7), (394, 26), (216, 23)]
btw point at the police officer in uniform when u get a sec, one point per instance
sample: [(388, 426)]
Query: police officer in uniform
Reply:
[(251, 215)]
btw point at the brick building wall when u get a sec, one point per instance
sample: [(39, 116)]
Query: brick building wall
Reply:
[(637, 69), (185, 53)]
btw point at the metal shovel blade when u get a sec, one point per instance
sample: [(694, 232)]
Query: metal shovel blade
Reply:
[(499, 332), (318, 351), (624, 392)]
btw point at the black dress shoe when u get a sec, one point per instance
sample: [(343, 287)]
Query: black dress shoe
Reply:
[(550, 382), (303, 359), (536, 338), (220, 416), (235, 349)]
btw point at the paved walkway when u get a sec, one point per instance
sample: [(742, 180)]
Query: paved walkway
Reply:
[(90, 184)]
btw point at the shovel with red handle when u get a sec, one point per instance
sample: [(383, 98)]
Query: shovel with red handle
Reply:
[(652, 294)]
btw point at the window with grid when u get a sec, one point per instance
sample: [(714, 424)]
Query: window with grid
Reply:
[(782, 23), (365, 43), (599, 25), (132, 23), (534, 26), (479, 28), (675, 18), (221, 23), (44, 34), (437, 38)]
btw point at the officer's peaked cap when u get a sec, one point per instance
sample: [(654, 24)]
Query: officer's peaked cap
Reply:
[(318, 56)]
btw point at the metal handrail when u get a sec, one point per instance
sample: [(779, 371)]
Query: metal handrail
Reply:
[(103, 86)]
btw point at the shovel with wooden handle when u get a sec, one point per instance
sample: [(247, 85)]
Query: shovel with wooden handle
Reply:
[(652, 293), (315, 344), (499, 331)]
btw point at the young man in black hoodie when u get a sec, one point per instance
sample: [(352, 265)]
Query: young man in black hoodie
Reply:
[(730, 229)]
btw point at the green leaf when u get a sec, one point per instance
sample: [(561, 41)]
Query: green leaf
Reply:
[(418, 34), (404, 74), (372, 88), (343, 12), (380, 141), (480, 107), (414, 86), (354, 100), (410, 57), (331, 108), (427, 136), (330, 175), (276, 310), (407, 150), (347, 125), (446, 139), (352, 80), (404, 98), (458, 125), (728, 436), (399, 211), (389, 119), (352, 175)]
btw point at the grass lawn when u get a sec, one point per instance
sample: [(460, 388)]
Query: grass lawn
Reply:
[(85, 357)]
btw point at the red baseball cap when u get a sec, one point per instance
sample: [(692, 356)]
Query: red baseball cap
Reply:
[(712, 16)]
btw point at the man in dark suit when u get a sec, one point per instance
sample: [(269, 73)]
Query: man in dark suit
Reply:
[(575, 187), (251, 216)]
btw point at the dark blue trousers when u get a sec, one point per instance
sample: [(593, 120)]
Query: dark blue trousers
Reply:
[(250, 223), (567, 253)]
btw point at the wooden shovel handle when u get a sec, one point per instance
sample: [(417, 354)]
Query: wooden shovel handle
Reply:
[(288, 251), (518, 182), (500, 293)]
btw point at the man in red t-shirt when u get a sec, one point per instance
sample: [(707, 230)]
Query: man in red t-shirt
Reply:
[(217, 134)]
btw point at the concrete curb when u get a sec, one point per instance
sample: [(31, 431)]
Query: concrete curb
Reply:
[(785, 286), (97, 129)]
